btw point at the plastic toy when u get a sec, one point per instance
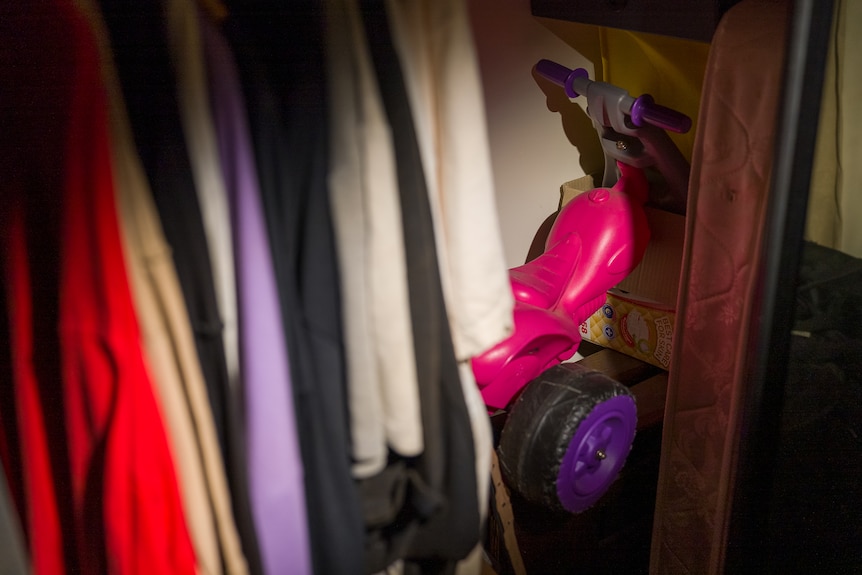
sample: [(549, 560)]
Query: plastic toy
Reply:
[(569, 429)]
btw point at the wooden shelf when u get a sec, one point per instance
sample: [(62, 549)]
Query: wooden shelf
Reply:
[(692, 19)]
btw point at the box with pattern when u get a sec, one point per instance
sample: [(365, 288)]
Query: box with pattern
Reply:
[(637, 327)]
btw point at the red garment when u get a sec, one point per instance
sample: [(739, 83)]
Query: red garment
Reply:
[(100, 492)]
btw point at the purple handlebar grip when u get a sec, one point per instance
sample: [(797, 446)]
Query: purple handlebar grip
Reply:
[(646, 111), (559, 74)]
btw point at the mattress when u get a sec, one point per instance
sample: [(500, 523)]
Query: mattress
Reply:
[(728, 190)]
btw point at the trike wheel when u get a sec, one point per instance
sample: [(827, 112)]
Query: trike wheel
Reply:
[(567, 436)]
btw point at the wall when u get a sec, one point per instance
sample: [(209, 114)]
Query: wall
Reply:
[(531, 152)]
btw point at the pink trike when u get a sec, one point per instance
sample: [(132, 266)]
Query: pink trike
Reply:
[(569, 429)]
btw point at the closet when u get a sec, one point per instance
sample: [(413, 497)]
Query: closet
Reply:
[(249, 248)]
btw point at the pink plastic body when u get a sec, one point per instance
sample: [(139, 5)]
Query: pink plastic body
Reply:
[(597, 239)]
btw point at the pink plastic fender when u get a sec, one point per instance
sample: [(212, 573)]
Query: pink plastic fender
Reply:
[(597, 239)]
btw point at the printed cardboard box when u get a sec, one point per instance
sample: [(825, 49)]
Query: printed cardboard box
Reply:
[(637, 327)]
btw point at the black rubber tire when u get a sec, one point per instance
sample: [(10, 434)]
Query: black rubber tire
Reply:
[(542, 422)]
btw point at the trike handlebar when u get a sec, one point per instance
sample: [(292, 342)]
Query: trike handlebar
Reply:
[(642, 110)]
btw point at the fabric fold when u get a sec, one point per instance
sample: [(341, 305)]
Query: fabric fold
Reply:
[(169, 341), (381, 364), (279, 54), (101, 486), (275, 464)]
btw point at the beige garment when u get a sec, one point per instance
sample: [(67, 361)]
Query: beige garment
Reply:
[(835, 203), (728, 193), (434, 42), (383, 388), (187, 54), (169, 347)]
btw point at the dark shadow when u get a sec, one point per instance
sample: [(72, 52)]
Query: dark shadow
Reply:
[(584, 39), (579, 130), (577, 125), (537, 247), (43, 257)]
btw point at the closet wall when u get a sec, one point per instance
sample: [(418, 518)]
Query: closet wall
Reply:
[(539, 139), (531, 152)]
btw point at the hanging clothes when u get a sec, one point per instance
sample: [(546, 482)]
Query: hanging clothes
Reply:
[(276, 481), (383, 388), (834, 204), (439, 521), (186, 52), (139, 45), (434, 43), (100, 485), (169, 342), (279, 52)]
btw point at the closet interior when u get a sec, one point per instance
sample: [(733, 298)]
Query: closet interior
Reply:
[(257, 257)]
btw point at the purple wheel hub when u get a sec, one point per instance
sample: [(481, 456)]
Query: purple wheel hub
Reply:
[(596, 453)]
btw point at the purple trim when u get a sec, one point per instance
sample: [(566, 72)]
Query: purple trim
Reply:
[(646, 111), (584, 474), (638, 109), (556, 73), (570, 81), (559, 74)]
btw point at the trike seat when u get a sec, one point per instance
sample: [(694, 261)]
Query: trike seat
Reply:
[(541, 281)]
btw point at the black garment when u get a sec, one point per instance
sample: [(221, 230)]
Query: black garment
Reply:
[(279, 50), (14, 557), (32, 171), (140, 48), (816, 509), (439, 522)]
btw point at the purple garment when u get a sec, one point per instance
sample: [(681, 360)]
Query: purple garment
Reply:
[(275, 463)]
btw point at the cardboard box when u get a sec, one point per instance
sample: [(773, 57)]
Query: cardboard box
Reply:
[(634, 326), (639, 315)]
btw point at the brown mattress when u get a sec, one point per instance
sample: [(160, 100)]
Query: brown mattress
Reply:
[(729, 184)]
